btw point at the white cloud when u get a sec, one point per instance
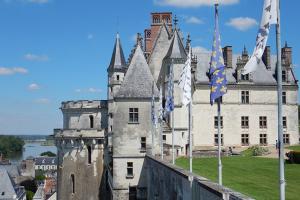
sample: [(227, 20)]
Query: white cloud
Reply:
[(33, 86), (89, 90), (12, 70), (242, 23), (193, 3), (90, 36), (34, 57), (42, 101), (193, 20), (200, 50)]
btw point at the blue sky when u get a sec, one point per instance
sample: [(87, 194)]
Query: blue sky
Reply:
[(58, 50)]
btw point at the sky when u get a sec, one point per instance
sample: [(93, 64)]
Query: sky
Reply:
[(59, 50)]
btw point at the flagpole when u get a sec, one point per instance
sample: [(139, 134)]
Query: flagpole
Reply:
[(153, 130), (190, 138), (161, 142), (173, 150), (219, 143), (279, 95), (161, 123)]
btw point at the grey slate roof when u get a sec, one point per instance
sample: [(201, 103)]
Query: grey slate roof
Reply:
[(6, 185), (262, 76), (8, 189), (117, 59), (12, 170), (176, 49), (138, 80), (43, 160)]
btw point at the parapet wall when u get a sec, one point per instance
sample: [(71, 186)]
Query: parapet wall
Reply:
[(168, 182), (84, 104)]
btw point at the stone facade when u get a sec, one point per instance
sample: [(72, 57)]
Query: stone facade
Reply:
[(108, 141), (80, 149)]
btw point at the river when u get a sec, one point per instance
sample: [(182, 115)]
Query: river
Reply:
[(32, 149)]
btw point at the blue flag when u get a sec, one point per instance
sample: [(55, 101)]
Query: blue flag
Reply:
[(170, 98), (217, 68)]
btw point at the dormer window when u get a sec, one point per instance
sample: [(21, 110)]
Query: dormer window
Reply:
[(245, 77)]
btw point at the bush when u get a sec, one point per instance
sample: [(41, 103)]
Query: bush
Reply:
[(293, 157), (29, 195), (256, 151), (48, 153)]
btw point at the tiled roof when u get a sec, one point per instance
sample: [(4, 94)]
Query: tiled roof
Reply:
[(45, 160)]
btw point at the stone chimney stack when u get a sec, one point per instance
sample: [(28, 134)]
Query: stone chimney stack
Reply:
[(157, 19), (286, 55), (266, 58), (227, 54)]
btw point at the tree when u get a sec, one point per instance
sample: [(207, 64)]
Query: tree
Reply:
[(48, 153), (10, 144)]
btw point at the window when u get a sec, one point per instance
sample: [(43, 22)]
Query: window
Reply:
[(73, 183), (245, 77), (286, 138), (245, 97), (216, 121), (133, 115), (130, 169), (283, 75), (110, 128), (164, 138), (245, 139), (91, 121), (284, 123), (216, 139), (284, 97), (89, 148), (245, 122), (263, 139), (118, 77), (143, 143), (182, 134), (262, 122)]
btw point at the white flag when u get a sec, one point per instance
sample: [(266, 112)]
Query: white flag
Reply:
[(269, 17), (185, 81)]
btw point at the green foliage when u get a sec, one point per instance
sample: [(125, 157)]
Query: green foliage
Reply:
[(40, 177), (29, 185), (10, 144), (256, 151), (293, 157), (48, 153), (295, 148), (29, 195), (253, 176)]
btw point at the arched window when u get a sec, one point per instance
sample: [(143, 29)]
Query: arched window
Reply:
[(73, 183), (89, 148), (91, 121)]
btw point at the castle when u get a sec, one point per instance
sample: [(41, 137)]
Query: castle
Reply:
[(103, 144)]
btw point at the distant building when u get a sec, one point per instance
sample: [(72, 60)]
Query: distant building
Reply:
[(8, 189), (46, 163)]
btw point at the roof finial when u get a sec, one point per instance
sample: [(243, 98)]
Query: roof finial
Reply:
[(139, 39), (175, 21), (245, 52), (286, 44), (188, 42)]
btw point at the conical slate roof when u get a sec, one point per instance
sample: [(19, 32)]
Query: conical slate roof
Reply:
[(176, 49), (138, 80), (117, 59)]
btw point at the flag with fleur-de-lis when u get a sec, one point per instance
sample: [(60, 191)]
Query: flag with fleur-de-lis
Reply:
[(269, 17), (218, 82)]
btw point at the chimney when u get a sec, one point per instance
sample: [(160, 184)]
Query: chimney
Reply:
[(157, 19), (227, 54), (266, 58), (286, 55)]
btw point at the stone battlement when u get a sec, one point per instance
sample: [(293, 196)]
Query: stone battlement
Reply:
[(84, 104), (76, 133)]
